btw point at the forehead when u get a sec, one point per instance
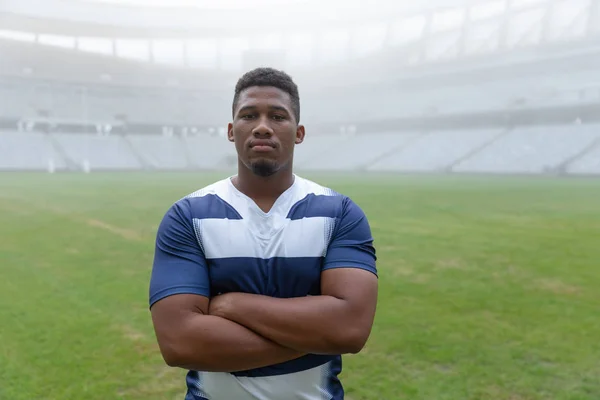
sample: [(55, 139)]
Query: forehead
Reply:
[(256, 96)]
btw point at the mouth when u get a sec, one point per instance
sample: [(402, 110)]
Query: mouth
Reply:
[(262, 146), (262, 149)]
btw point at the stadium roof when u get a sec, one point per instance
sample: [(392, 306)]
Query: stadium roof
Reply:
[(302, 33), (202, 4), (184, 18)]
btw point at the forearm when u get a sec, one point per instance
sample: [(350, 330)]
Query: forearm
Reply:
[(210, 343), (312, 324)]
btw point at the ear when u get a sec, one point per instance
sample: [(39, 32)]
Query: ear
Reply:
[(230, 132), (300, 133)]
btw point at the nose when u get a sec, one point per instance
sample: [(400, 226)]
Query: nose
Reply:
[(262, 128)]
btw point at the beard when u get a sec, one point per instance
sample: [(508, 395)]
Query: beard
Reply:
[(264, 168)]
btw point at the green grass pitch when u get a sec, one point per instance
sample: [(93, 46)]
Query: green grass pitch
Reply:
[(489, 287)]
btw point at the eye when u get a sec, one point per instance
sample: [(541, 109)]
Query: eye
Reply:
[(247, 116), (277, 117)]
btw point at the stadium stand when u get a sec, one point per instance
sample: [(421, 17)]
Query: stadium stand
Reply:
[(434, 151), (353, 152), (523, 150), (588, 162), (95, 152), (210, 152), (32, 97), (159, 152), (531, 150), (28, 151), (502, 111)]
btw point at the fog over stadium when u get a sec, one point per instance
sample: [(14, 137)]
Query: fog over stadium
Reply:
[(467, 130), (458, 86)]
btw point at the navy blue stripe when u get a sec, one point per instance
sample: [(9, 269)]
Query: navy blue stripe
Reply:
[(191, 396), (316, 206), (193, 381), (300, 364), (334, 386), (276, 277), (211, 206)]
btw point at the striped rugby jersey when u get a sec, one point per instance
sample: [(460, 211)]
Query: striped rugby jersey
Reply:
[(217, 240)]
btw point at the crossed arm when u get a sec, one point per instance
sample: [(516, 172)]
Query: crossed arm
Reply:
[(240, 331), (190, 338)]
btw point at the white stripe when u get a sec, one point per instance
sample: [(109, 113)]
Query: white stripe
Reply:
[(224, 238), (305, 385), (198, 230)]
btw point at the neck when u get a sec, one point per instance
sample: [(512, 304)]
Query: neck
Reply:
[(263, 188)]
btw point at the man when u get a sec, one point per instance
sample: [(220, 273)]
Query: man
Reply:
[(263, 280)]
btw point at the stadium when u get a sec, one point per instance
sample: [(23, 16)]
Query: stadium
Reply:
[(468, 131)]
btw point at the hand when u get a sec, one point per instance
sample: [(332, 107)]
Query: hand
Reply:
[(223, 304)]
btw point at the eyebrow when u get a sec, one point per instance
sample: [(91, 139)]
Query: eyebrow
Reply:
[(276, 108)]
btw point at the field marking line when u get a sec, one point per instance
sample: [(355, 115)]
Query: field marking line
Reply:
[(125, 233), (557, 286), (11, 207), (165, 380), (131, 333), (451, 263)]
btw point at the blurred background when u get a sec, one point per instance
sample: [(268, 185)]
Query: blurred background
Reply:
[(467, 130), (502, 86)]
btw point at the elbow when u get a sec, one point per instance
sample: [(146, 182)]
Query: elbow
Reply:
[(175, 351), (179, 358), (177, 354), (355, 346), (173, 359), (353, 340), (172, 354)]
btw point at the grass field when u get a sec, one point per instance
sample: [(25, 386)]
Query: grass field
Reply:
[(489, 287)]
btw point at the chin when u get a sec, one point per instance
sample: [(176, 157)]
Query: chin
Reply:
[(264, 167)]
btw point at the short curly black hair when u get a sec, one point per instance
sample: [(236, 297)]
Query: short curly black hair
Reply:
[(269, 77)]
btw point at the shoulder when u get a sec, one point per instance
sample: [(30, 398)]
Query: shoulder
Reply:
[(311, 187), (206, 202), (322, 201)]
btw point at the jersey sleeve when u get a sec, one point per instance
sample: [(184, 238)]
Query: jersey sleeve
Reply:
[(351, 245), (179, 264)]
